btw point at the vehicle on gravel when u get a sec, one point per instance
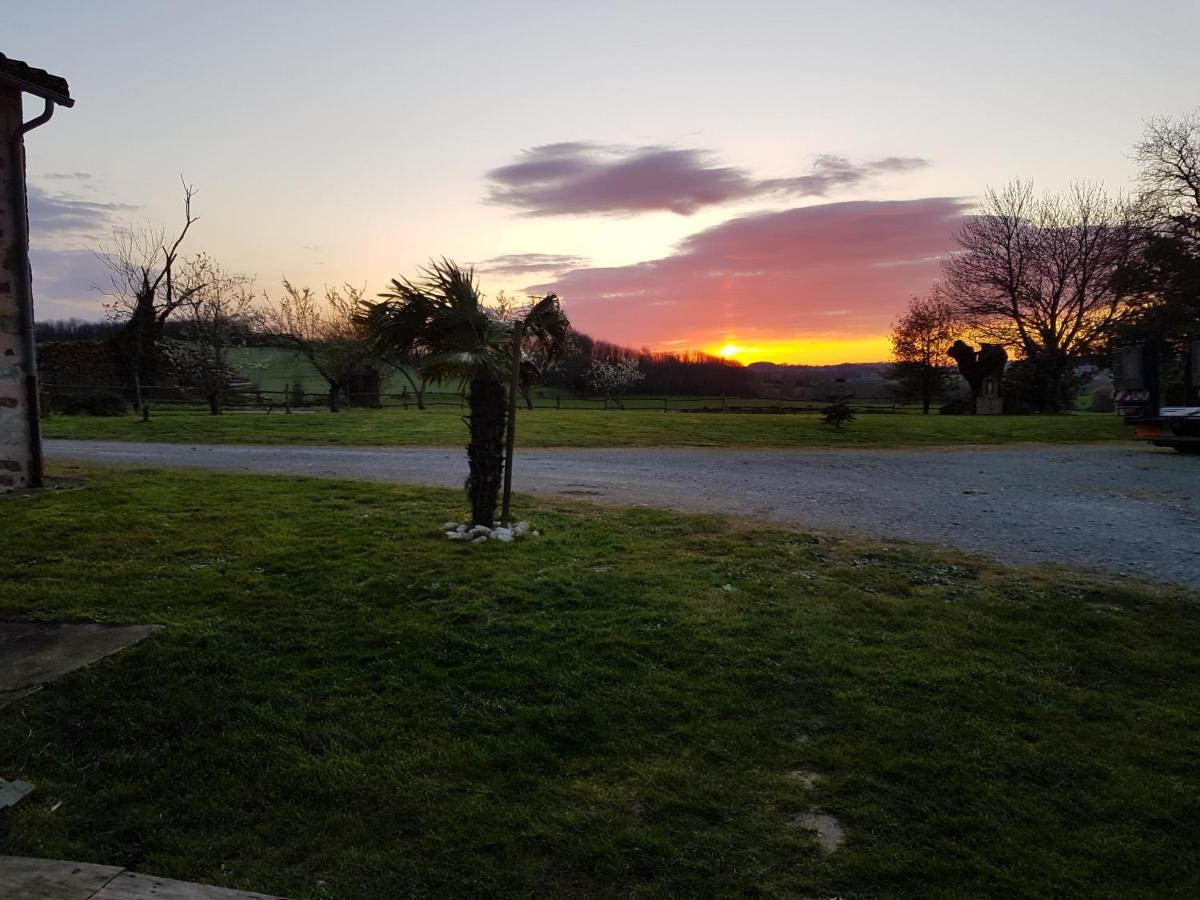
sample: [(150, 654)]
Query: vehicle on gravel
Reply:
[(1139, 392)]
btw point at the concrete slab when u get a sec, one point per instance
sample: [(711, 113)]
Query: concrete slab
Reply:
[(33, 653), (51, 879), (23, 878), (132, 886)]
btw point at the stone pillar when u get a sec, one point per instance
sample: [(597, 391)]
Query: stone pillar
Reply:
[(18, 452), (990, 403)]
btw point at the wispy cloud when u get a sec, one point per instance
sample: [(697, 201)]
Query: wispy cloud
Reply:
[(59, 214), (528, 263), (580, 177), (68, 283)]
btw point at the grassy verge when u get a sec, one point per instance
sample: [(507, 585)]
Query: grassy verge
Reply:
[(345, 705), (592, 428)]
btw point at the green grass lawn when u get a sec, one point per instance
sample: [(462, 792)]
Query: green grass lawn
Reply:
[(346, 705), (591, 428)]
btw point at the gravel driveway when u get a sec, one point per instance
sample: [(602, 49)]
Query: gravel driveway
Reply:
[(1123, 508)]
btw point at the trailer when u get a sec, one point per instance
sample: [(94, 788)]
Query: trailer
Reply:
[(1138, 395)]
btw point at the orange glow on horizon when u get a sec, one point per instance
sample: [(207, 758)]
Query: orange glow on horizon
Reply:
[(806, 351)]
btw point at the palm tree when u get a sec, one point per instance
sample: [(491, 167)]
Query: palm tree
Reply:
[(440, 317)]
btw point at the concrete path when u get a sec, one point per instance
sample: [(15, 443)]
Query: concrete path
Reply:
[(1124, 508), (33, 653), (22, 878)]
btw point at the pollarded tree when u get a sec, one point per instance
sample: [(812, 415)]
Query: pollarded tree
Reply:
[(919, 342), (1043, 274), (440, 316), (145, 294)]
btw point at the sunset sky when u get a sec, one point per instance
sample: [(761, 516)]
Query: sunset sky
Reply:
[(771, 179)]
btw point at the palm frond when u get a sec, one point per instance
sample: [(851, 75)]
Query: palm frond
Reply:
[(440, 315), (547, 326)]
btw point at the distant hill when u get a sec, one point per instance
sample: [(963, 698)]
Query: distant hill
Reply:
[(839, 370), (795, 382)]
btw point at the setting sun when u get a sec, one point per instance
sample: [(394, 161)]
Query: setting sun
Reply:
[(809, 351)]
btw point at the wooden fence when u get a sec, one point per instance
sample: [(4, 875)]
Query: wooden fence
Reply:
[(251, 399)]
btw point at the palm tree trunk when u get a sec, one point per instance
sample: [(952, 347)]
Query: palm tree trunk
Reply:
[(485, 452)]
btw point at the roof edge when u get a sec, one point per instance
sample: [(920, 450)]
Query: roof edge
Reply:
[(31, 80), (37, 91)]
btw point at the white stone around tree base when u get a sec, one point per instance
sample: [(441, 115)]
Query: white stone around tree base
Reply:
[(481, 534), (13, 792)]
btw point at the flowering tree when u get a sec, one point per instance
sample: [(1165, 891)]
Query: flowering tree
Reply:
[(613, 378)]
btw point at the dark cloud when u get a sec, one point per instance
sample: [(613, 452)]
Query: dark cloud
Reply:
[(528, 263), (835, 268), (829, 173), (580, 177), (64, 214), (66, 176), (68, 283)]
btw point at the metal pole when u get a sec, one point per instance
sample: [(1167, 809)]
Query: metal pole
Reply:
[(513, 385)]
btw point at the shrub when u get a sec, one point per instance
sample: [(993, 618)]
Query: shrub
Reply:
[(1101, 400), (98, 403), (837, 412)]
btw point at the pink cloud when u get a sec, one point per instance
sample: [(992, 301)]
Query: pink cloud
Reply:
[(832, 270), (579, 177)]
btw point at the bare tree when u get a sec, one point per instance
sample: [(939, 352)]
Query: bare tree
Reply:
[(506, 306), (919, 342), (1043, 274), (1168, 156), (144, 293), (330, 336), (219, 311), (408, 365), (1166, 277)]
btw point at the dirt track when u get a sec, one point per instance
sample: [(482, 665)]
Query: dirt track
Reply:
[(1123, 508)]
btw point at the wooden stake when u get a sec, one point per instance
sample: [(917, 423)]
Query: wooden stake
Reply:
[(514, 385)]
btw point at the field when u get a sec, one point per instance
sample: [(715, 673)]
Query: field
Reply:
[(278, 372), (589, 428), (345, 705)]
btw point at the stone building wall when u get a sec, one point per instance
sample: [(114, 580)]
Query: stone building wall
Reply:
[(16, 451)]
